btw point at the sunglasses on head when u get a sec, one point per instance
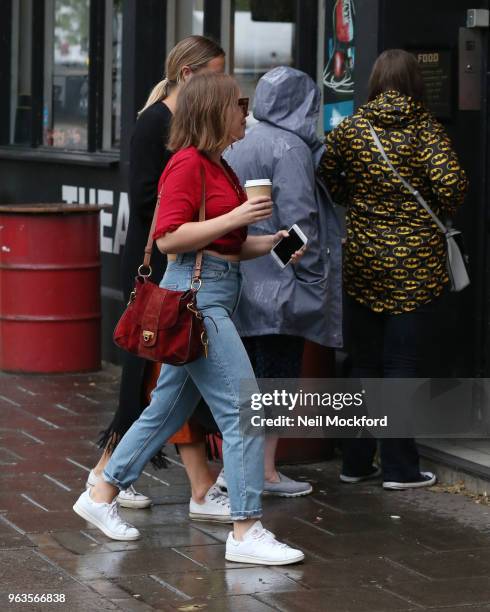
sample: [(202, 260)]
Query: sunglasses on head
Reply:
[(243, 104)]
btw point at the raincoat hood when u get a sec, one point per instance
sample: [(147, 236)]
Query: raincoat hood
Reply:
[(305, 299), (290, 100), (393, 109)]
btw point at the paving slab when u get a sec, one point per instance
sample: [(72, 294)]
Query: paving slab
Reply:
[(450, 591), (365, 599), (352, 572), (438, 566)]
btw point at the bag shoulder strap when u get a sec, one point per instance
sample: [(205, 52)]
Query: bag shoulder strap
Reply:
[(416, 194), (202, 217)]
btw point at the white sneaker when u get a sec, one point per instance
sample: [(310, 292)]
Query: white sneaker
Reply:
[(132, 499), (259, 546), (221, 481), (216, 507), (426, 479), (127, 499), (105, 517)]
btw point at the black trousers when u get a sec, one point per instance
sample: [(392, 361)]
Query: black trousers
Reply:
[(385, 346), (275, 356)]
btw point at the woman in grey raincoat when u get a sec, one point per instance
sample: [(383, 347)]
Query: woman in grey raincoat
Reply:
[(279, 309)]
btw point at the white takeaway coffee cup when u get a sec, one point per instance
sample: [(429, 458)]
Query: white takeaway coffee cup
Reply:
[(258, 187)]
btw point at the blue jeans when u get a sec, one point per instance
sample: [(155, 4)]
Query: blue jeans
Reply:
[(217, 378)]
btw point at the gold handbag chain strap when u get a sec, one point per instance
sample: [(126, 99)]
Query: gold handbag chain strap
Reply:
[(196, 275)]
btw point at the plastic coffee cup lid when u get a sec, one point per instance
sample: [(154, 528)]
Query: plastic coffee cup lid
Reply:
[(258, 183)]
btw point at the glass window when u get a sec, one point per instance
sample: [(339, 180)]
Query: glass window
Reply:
[(66, 91), (198, 17), (21, 89), (113, 74), (264, 39)]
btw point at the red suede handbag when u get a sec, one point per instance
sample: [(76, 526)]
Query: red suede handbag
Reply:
[(160, 324)]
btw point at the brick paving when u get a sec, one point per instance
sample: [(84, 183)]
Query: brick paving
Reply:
[(366, 550)]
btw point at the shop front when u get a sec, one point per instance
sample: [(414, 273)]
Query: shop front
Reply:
[(76, 72)]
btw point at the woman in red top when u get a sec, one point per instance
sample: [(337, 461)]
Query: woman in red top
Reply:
[(210, 116), (148, 158)]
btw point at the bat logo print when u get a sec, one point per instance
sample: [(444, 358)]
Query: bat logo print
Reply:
[(450, 179), (357, 144), (411, 285), (413, 241), (427, 154), (397, 136), (404, 149), (391, 239), (402, 251), (366, 157), (424, 252), (390, 262), (376, 169), (411, 262), (453, 166), (439, 159), (400, 296), (399, 274)]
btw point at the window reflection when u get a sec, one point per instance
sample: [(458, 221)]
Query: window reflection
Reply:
[(117, 19), (67, 94), (198, 17), (21, 103), (264, 39)]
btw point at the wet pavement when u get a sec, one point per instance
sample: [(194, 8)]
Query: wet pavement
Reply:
[(366, 550)]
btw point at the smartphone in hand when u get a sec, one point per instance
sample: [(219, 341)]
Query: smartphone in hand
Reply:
[(286, 247)]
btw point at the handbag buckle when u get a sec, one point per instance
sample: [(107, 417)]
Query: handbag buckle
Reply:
[(196, 284), (132, 297), (192, 308), (148, 335)]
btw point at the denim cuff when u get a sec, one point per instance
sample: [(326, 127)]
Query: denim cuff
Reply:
[(245, 515), (112, 480)]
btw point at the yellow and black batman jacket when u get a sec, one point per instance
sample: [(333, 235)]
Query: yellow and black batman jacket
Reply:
[(394, 258)]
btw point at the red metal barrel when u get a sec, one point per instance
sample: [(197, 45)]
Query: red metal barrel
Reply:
[(49, 288)]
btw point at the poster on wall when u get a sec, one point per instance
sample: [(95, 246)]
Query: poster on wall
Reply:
[(338, 73), (437, 70)]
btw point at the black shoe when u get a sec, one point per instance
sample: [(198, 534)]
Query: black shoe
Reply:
[(427, 479), (374, 473)]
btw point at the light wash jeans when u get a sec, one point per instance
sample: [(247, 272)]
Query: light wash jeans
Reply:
[(217, 378)]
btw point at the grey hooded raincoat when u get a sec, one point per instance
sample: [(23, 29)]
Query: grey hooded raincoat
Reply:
[(302, 300)]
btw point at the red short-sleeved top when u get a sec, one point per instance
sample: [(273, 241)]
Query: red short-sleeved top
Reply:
[(180, 185)]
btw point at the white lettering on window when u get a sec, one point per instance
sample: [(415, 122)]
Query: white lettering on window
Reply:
[(105, 197), (121, 223), (69, 194)]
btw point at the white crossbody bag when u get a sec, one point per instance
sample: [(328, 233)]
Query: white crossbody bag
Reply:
[(456, 260)]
